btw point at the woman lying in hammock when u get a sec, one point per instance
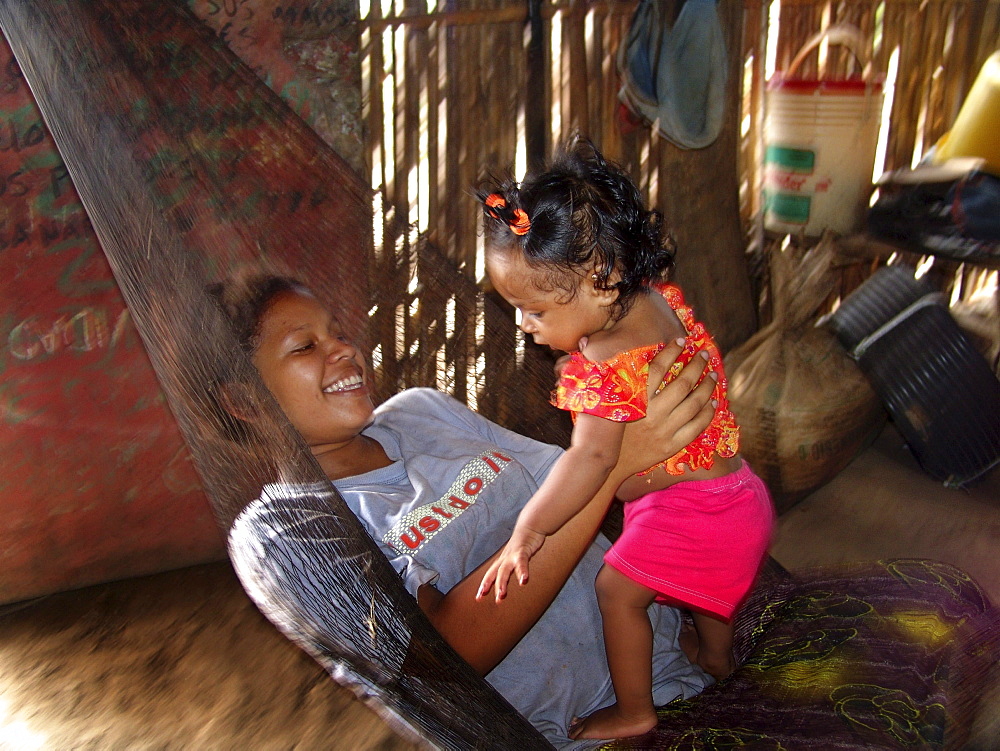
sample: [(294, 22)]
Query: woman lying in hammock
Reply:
[(440, 487)]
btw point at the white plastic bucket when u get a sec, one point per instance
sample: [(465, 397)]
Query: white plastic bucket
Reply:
[(820, 138)]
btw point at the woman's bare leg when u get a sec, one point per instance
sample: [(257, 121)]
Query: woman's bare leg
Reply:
[(715, 645), (628, 640), (687, 640)]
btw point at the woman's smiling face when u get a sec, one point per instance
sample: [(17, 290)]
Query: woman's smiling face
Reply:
[(314, 371)]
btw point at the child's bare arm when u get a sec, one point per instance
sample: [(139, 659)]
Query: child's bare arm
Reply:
[(576, 476), (573, 480)]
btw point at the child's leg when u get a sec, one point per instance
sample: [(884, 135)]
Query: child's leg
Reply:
[(715, 645), (628, 640)]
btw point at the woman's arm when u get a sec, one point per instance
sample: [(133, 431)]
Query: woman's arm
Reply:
[(484, 631)]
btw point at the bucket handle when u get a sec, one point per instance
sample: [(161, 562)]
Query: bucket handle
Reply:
[(843, 34)]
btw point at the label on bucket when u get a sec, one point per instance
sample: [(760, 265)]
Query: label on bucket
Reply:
[(785, 207), (800, 161)]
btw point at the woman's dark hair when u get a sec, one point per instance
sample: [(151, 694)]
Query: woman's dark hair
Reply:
[(243, 301), (583, 213)]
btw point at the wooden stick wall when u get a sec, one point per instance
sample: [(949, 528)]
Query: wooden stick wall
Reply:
[(446, 96)]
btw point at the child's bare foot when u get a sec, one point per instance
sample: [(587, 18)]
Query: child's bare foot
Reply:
[(611, 722), (717, 666)]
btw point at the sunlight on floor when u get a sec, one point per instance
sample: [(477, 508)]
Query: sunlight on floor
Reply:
[(17, 734)]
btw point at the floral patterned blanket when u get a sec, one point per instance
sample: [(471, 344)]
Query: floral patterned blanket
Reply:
[(888, 655)]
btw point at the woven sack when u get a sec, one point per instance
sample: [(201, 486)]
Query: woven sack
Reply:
[(804, 407)]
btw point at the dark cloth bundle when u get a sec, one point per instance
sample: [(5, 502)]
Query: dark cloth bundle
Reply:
[(935, 212)]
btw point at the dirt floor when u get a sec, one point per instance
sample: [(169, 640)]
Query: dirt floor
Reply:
[(182, 660)]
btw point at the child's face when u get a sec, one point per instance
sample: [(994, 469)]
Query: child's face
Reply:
[(314, 371), (553, 317)]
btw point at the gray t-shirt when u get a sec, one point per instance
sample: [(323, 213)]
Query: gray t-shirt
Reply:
[(450, 500)]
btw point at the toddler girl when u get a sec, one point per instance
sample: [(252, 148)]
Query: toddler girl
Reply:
[(576, 253)]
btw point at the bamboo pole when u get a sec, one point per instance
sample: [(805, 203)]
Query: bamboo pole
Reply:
[(536, 130)]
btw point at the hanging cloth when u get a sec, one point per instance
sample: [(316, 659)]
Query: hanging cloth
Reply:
[(674, 76)]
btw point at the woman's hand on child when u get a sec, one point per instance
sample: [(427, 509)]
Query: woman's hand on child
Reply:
[(677, 414), (513, 559)]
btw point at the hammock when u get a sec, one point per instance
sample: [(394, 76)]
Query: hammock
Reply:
[(189, 166)]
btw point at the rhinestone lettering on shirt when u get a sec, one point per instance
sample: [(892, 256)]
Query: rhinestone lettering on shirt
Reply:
[(416, 527)]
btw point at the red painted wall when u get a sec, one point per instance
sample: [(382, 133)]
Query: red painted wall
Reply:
[(96, 482)]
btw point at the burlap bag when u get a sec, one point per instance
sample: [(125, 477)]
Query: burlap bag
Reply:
[(804, 407)]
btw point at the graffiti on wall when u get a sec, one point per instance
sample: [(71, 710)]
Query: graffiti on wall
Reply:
[(92, 454)]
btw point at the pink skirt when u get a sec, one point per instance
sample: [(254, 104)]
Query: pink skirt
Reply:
[(698, 543)]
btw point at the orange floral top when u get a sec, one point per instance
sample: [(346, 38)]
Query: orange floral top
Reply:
[(616, 389)]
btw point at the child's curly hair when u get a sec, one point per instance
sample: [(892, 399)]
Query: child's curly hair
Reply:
[(581, 215)]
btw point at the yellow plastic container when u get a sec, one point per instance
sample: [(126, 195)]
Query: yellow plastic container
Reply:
[(976, 131)]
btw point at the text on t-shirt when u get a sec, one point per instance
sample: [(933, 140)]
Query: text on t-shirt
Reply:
[(416, 527)]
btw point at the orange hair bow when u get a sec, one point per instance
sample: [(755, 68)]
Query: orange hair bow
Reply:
[(521, 224)]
